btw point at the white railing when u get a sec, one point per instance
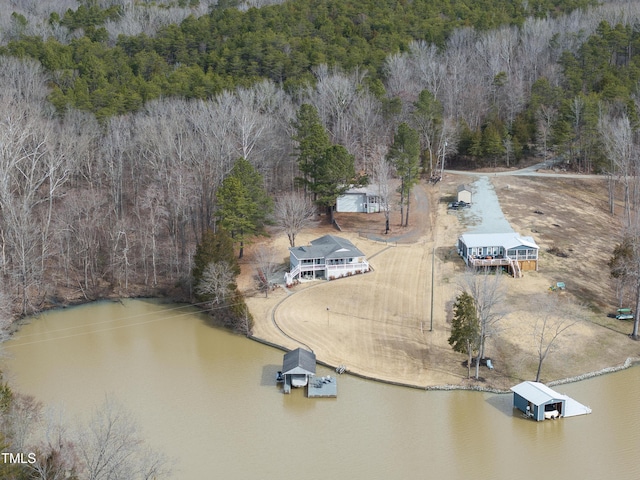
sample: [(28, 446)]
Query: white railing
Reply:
[(348, 266), (489, 262), (342, 269), (339, 270), (289, 276), (311, 266)]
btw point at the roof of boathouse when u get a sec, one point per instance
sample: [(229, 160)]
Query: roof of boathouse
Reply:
[(536, 393), (299, 361), (328, 246)]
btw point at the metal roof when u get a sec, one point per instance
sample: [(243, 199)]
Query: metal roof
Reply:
[(506, 240), (328, 246), (464, 187), (370, 189), (537, 393), (299, 361)]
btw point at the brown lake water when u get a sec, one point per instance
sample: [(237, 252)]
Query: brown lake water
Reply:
[(208, 399)]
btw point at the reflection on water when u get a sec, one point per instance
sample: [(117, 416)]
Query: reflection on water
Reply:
[(208, 399)]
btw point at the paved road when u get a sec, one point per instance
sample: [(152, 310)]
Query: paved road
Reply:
[(542, 169)]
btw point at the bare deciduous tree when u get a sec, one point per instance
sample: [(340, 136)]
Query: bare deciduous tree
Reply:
[(489, 294), (56, 456), (155, 213), (554, 318), (110, 447), (366, 130), (293, 212), (617, 138), (545, 117), (215, 282), (21, 420), (267, 263), (333, 97), (382, 172), (24, 148)]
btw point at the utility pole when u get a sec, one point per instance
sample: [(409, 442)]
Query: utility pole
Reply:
[(433, 263), (444, 149)]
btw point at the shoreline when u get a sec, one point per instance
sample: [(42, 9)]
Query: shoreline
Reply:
[(628, 363)]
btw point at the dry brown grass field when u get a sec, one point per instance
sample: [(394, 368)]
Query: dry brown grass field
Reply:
[(379, 324)]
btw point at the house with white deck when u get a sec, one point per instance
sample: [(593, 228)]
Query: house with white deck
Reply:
[(327, 257), (518, 253)]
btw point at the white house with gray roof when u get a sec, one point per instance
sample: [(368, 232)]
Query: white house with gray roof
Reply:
[(499, 249), (328, 258)]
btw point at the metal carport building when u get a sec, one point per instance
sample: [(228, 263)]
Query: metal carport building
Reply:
[(535, 399)]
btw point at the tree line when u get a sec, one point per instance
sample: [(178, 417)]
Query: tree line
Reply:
[(118, 203), (226, 48), (499, 94)]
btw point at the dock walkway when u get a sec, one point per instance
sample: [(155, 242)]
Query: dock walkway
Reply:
[(573, 408), (322, 387)]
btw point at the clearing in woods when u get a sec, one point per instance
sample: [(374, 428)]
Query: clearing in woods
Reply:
[(379, 324)]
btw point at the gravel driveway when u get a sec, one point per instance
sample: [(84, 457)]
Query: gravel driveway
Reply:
[(485, 214)]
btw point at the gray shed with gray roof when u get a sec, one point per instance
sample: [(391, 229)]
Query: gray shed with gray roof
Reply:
[(297, 366)]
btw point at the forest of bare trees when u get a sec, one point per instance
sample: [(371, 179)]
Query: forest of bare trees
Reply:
[(107, 446), (116, 207)]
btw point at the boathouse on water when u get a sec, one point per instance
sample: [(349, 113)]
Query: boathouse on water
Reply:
[(297, 367), (539, 402), (536, 399)]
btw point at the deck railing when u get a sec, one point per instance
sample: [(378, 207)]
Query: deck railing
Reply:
[(338, 270), (289, 276), (484, 262), (311, 266), (349, 266)]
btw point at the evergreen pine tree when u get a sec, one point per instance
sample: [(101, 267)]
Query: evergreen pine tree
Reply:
[(404, 154), (465, 327)]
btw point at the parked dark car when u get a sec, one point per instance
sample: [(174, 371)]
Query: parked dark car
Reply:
[(459, 205)]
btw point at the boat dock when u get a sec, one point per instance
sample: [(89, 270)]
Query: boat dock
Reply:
[(539, 402), (573, 407), (326, 387), (299, 370)]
